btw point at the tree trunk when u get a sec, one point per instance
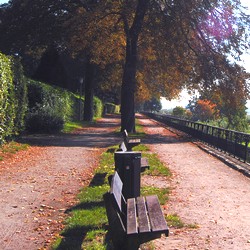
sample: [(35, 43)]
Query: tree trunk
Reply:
[(89, 92), (128, 88), (129, 74)]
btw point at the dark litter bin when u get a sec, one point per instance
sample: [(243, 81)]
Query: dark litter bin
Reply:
[(127, 164)]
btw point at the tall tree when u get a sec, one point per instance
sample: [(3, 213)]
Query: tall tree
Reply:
[(161, 45), (158, 35)]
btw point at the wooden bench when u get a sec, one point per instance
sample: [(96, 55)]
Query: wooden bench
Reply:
[(135, 221), (130, 142)]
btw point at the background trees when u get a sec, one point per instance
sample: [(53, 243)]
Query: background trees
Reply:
[(144, 48)]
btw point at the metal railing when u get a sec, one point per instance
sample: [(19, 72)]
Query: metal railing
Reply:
[(230, 141)]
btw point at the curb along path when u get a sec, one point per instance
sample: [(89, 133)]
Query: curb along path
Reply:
[(205, 192), (38, 185)]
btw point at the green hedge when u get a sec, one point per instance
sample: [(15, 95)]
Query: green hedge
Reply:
[(13, 97), (111, 108), (20, 85), (32, 105), (50, 107)]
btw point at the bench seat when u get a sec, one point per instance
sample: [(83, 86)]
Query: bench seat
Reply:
[(130, 142), (135, 221)]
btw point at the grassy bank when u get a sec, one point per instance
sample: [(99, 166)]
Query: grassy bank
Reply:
[(87, 224)]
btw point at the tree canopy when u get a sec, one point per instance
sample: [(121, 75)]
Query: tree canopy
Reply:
[(150, 47)]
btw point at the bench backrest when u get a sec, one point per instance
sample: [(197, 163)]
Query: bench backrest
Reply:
[(116, 189), (123, 147), (125, 134)]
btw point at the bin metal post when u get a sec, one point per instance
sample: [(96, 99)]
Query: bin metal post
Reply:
[(128, 165)]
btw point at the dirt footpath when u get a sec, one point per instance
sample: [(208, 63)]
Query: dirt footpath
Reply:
[(38, 185), (205, 192)]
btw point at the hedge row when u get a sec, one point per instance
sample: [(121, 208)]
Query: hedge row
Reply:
[(35, 106), (110, 108), (13, 97), (50, 107)]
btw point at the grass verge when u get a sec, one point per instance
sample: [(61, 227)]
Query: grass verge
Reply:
[(11, 148), (86, 226), (175, 221)]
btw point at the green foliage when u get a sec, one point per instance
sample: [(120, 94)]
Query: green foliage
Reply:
[(41, 94), (111, 108), (179, 111), (44, 119), (98, 107), (153, 105), (50, 107), (7, 104), (21, 98), (13, 102)]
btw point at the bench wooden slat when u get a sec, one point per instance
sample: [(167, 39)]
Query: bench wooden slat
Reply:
[(144, 225), (134, 222), (144, 162), (156, 216), (132, 227), (130, 142), (134, 141), (116, 189)]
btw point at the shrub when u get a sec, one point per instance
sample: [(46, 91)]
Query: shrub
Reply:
[(50, 107), (111, 108), (44, 119), (21, 99), (13, 97), (98, 107)]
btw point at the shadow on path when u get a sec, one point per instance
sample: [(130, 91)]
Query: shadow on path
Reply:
[(95, 135)]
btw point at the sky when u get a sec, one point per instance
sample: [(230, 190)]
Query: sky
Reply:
[(184, 97)]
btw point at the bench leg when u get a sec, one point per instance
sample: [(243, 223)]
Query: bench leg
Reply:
[(132, 243)]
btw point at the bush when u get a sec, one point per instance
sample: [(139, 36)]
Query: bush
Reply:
[(98, 107), (21, 98), (111, 108), (7, 98), (44, 119), (50, 107), (13, 97)]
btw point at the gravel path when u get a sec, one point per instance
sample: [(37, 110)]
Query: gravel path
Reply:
[(39, 184), (205, 192)]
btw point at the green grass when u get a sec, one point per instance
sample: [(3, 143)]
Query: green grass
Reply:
[(162, 193), (71, 126), (86, 226), (11, 148), (157, 168), (174, 220)]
